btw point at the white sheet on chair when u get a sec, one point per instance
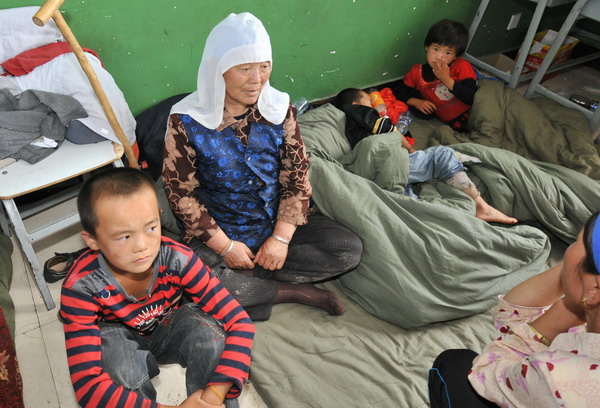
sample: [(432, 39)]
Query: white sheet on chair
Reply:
[(6, 83), (18, 20), (64, 75)]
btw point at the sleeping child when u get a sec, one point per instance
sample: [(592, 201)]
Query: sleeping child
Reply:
[(362, 119), (438, 162), (446, 84)]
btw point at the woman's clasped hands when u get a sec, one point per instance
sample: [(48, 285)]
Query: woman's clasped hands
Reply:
[(270, 256)]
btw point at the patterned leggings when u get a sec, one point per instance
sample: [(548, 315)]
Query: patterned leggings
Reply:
[(319, 250)]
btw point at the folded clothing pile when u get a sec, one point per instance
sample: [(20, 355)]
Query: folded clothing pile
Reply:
[(25, 46)]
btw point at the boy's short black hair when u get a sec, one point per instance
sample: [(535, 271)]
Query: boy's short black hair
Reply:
[(449, 33), (114, 182), (347, 97)]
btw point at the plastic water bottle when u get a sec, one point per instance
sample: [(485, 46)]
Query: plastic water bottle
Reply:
[(404, 122), (584, 101), (301, 105)]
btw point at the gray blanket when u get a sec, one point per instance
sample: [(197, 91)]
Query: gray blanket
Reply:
[(30, 115)]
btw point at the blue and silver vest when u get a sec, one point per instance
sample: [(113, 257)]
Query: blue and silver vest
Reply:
[(239, 185)]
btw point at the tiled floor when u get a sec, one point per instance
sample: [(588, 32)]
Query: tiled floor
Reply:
[(582, 80), (40, 339)]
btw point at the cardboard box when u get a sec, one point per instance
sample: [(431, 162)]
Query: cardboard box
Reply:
[(500, 61), (541, 45)]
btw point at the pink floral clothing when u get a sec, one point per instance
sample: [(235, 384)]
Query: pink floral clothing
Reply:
[(518, 371)]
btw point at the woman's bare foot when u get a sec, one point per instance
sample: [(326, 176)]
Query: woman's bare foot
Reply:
[(486, 212), (309, 294)]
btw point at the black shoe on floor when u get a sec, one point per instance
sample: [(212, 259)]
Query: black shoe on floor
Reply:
[(57, 267)]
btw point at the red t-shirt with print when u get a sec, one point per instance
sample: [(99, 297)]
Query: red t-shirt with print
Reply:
[(448, 106)]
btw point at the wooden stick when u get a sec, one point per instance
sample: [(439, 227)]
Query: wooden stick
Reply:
[(42, 17), (45, 12)]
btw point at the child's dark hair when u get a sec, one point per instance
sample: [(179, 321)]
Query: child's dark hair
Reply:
[(347, 97), (588, 263), (114, 182), (449, 33)]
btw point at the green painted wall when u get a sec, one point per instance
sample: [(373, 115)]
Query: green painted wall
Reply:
[(153, 47)]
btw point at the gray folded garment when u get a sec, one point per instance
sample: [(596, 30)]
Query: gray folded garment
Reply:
[(30, 115)]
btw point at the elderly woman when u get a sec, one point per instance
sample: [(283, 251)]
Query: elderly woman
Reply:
[(548, 354), (236, 175)]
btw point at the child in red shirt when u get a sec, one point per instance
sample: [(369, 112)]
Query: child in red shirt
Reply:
[(446, 84)]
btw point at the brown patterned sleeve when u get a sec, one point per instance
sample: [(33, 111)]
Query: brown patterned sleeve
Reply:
[(295, 185), (179, 176)]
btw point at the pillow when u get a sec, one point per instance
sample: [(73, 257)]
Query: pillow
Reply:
[(18, 33), (79, 133), (323, 128)]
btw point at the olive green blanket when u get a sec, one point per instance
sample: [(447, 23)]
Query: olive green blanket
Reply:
[(424, 261), (537, 129), (431, 260)]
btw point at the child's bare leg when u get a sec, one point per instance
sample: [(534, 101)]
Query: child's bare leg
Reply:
[(483, 210)]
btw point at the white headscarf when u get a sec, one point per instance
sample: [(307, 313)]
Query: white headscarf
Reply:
[(238, 39)]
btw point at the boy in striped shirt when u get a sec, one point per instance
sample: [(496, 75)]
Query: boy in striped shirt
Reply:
[(137, 299)]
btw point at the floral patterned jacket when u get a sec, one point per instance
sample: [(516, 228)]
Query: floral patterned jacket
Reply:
[(518, 371), (180, 167)]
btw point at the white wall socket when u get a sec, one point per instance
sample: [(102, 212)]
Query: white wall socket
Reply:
[(514, 21)]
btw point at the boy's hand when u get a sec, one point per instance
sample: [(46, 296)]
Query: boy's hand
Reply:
[(407, 145), (204, 404), (422, 105), (272, 254), (240, 257), (194, 401)]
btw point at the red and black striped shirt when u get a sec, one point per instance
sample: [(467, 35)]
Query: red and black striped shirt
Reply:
[(91, 294)]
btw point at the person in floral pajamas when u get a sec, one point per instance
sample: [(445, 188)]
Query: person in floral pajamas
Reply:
[(548, 352)]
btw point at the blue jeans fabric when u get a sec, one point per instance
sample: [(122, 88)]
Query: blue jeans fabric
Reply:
[(186, 336), (438, 162)]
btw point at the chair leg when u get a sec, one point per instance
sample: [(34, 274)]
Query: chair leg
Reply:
[(24, 240)]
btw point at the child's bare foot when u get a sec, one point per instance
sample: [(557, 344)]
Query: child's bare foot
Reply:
[(308, 294), (487, 213)]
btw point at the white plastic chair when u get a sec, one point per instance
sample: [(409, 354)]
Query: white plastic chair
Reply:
[(69, 161), (21, 178)]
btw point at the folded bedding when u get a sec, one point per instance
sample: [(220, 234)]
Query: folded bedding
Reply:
[(537, 129), (64, 75), (430, 260), (26, 44), (33, 116)]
